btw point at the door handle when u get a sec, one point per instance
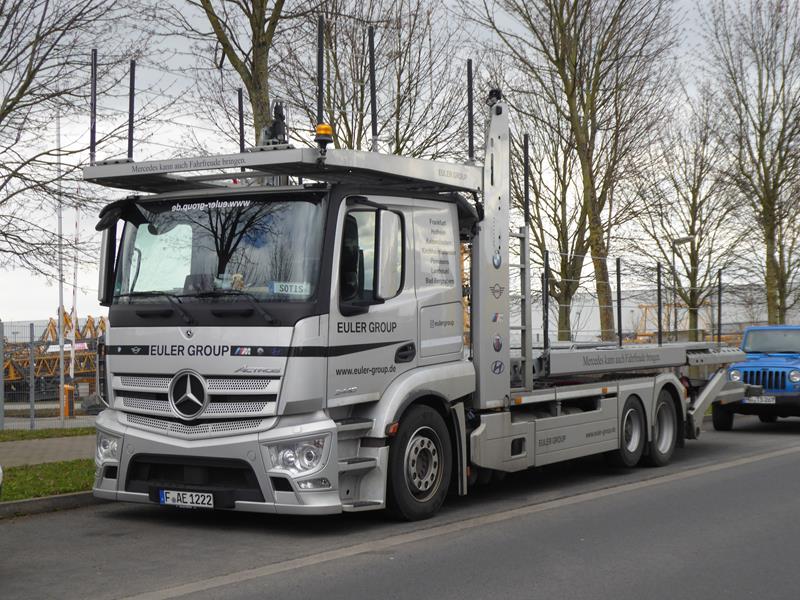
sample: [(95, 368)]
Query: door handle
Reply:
[(405, 353)]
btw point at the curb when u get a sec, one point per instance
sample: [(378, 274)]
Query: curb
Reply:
[(35, 506)]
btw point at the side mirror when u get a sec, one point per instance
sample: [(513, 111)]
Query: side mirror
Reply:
[(388, 255), (105, 287)]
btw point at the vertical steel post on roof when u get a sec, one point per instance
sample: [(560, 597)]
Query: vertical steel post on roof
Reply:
[(93, 111), (131, 95), (241, 123), (320, 67), (241, 120), (526, 178), (470, 116), (373, 96)]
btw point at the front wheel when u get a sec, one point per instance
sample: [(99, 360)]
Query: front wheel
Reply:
[(632, 436), (721, 417), (420, 463), (665, 434)]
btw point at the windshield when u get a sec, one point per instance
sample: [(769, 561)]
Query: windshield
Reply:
[(773, 341), (269, 250)]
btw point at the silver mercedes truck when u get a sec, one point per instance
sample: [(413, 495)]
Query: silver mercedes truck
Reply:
[(305, 348)]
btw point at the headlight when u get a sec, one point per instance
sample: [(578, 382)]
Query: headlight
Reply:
[(298, 457), (735, 375), (794, 376), (107, 447)]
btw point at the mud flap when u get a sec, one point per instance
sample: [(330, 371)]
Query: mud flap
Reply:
[(460, 437)]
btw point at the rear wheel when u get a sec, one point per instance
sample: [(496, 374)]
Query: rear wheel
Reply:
[(721, 417), (665, 434), (420, 463), (768, 418), (632, 435)]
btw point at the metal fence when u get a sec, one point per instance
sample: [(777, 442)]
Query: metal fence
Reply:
[(30, 380), (645, 306)]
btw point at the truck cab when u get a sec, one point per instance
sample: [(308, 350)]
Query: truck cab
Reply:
[(773, 365), (262, 338)]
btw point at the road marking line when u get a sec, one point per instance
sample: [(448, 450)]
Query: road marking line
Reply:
[(439, 530)]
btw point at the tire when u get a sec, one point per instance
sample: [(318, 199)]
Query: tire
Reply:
[(420, 465), (721, 417), (665, 431), (632, 435), (768, 418)]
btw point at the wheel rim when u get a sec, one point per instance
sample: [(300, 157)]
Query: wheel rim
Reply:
[(423, 467), (665, 428), (631, 430)]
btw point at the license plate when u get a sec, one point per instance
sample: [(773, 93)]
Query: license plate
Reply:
[(186, 499), (760, 400)]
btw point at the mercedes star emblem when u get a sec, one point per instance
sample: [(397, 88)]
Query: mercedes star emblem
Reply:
[(187, 395)]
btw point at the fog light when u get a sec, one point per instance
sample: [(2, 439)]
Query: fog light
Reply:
[(314, 484)]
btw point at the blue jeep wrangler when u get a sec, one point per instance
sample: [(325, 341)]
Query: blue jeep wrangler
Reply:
[(773, 363)]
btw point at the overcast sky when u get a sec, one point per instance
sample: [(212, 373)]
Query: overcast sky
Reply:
[(26, 297)]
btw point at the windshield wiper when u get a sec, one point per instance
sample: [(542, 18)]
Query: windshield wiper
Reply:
[(251, 300), (173, 299)]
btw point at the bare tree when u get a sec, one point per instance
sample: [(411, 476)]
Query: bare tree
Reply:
[(754, 57), (557, 219), (610, 59), (232, 42), (44, 71), (420, 97), (683, 194)]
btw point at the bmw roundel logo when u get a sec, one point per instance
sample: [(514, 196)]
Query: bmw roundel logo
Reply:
[(187, 395)]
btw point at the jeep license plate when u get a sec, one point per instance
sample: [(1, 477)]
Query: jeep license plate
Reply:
[(760, 400), (186, 499)]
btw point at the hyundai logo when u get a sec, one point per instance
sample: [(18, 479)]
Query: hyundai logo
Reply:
[(187, 395)]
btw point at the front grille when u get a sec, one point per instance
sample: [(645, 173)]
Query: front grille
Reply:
[(231, 397), (177, 428), (137, 381), (769, 379), (228, 479), (263, 385)]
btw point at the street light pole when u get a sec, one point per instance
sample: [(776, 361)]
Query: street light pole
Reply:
[(60, 273)]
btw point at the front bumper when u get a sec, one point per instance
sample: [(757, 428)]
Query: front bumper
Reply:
[(786, 405), (247, 450)]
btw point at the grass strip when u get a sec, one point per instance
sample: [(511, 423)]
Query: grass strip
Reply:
[(47, 479), (15, 435)]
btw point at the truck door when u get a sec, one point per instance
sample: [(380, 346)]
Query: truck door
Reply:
[(371, 341)]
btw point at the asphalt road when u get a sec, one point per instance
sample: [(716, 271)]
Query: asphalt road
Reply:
[(719, 522)]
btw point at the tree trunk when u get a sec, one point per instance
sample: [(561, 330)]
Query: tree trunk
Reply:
[(693, 333), (771, 280), (564, 321)]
